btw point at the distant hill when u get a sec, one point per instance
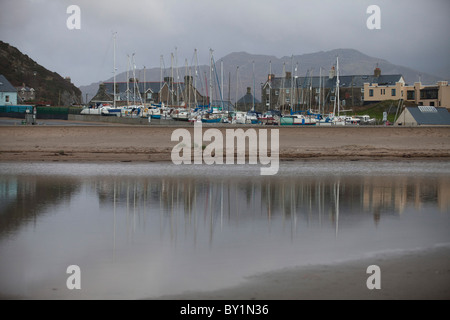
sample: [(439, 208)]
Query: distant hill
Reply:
[(49, 86), (350, 62)]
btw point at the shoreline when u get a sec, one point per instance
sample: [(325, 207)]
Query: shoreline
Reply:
[(146, 143), (422, 274), (410, 275)]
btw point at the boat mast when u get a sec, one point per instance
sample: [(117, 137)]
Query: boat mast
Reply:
[(178, 76), (253, 108), (210, 77), (237, 86), (195, 79), (171, 80), (295, 86), (221, 81), (114, 66), (161, 62), (187, 86), (320, 86), (338, 83), (281, 95), (128, 80), (310, 89), (270, 83), (145, 94), (292, 82)]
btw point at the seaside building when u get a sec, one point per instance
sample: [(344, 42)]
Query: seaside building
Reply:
[(25, 93), (248, 101), (8, 94), (136, 92), (424, 115), (319, 92), (421, 95)]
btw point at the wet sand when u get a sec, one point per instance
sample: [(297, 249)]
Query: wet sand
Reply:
[(152, 143), (415, 275)]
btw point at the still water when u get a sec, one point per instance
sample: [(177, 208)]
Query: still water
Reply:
[(147, 230)]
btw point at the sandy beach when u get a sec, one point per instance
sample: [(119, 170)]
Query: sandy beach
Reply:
[(153, 143), (420, 274)]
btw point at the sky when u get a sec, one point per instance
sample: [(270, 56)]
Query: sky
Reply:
[(412, 33)]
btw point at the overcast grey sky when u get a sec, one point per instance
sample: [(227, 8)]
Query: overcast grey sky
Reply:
[(413, 33)]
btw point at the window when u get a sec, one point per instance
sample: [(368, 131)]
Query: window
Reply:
[(393, 92), (276, 92), (267, 91), (362, 90), (370, 92), (431, 103), (6, 98), (428, 94), (287, 91), (383, 92), (410, 95), (267, 102)]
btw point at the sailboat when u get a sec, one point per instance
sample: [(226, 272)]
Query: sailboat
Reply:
[(333, 119)]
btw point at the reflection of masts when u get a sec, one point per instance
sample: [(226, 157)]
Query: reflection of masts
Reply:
[(336, 195), (114, 223)]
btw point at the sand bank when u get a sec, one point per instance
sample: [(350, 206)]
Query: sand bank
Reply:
[(147, 143), (417, 275)]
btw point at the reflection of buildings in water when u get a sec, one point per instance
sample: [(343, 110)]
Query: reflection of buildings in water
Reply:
[(25, 198), (443, 195), (381, 194), (189, 203)]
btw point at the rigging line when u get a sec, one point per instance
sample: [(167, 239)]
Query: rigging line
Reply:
[(100, 70)]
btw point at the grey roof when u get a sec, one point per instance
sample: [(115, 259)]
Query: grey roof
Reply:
[(227, 105), (430, 115), (344, 81), (247, 99), (154, 87), (5, 85)]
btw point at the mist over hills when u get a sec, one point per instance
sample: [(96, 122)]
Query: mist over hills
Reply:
[(238, 71)]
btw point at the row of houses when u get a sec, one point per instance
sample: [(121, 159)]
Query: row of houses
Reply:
[(354, 90), (285, 92), (171, 93), (10, 95)]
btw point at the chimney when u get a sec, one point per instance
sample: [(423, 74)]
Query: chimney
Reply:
[(188, 80), (377, 72), (332, 73), (249, 90), (288, 75), (168, 79), (270, 77), (133, 79)]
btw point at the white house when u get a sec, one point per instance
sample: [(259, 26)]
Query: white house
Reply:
[(8, 94)]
